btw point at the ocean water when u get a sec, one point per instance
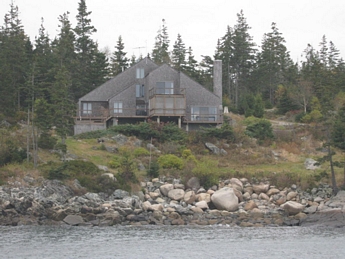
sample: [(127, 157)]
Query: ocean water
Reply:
[(171, 242)]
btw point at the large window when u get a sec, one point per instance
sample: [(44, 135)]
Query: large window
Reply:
[(203, 113), (165, 87), (87, 108), (139, 91), (118, 107), (140, 73)]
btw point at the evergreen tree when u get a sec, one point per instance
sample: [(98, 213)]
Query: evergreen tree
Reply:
[(160, 52), (13, 63), (41, 77), (191, 68), (273, 64), (333, 56), (119, 62), (62, 103), (338, 133), (178, 55), (323, 53), (206, 73), (91, 62), (225, 53), (243, 56)]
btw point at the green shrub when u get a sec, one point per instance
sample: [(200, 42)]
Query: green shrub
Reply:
[(11, 149), (141, 152), (260, 129), (187, 155), (153, 171), (115, 162), (170, 162), (46, 141), (299, 116), (306, 118), (225, 132), (204, 171)]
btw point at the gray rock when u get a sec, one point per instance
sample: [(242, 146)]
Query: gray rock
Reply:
[(330, 217), (311, 164), (193, 183), (73, 220), (213, 148), (225, 199), (120, 194), (292, 207), (103, 168), (176, 194), (165, 188), (120, 139)]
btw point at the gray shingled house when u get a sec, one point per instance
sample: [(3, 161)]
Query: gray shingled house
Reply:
[(148, 91)]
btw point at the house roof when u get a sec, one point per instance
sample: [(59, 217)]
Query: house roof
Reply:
[(118, 83)]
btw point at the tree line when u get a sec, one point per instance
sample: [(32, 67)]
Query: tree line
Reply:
[(47, 76)]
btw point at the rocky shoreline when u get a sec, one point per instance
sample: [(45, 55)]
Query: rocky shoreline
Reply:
[(234, 202)]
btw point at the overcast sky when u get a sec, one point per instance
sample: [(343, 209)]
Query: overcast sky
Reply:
[(200, 22)]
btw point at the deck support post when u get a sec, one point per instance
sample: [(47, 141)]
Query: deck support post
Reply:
[(179, 122), (158, 120)]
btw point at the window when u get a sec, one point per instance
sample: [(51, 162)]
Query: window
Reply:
[(140, 73), (165, 87), (139, 91), (203, 113), (141, 110), (87, 108), (118, 107)]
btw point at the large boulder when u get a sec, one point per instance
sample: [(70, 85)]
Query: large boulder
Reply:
[(311, 164), (202, 205), (261, 188), (203, 197), (236, 184), (165, 188), (176, 194), (73, 220), (193, 183), (292, 207), (53, 191), (189, 197), (225, 199)]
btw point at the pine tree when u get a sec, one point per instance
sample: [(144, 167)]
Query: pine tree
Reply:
[(191, 68), (91, 62), (338, 133), (178, 55), (225, 53), (243, 55), (206, 72), (13, 63), (160, 52), (273, 63), (119, 62), (323, 53), (40, 75)]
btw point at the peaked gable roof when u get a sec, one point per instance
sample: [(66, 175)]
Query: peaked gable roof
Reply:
[(119, 82)]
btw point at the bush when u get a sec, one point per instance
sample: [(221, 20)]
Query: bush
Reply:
[(170, 162), (299, 116), (72, 169), (46, 141), (141, 152), (115, 162), (187, 155), (153, 171), (260, 129), (10, 148), (203, 170), (225, 132)]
